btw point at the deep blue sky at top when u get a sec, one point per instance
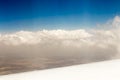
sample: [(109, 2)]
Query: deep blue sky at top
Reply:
[(55, 14)]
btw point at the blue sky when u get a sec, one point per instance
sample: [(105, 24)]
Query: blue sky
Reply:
[(55, 14)]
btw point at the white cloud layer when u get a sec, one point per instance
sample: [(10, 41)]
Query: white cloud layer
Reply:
[(87, 45)]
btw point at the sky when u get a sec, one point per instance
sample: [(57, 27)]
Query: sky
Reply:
[(55, 14), (58, 32)]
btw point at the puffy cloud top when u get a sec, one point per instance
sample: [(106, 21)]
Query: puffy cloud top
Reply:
[(26, 37)]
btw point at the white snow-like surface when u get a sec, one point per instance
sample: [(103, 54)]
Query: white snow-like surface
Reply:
[(106, 70)]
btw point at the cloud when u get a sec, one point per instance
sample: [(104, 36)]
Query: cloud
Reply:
[(72, 46)]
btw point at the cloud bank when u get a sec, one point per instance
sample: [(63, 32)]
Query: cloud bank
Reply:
[(73, 46)]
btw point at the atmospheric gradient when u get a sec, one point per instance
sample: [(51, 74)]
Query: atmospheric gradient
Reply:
[(43, 34)]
